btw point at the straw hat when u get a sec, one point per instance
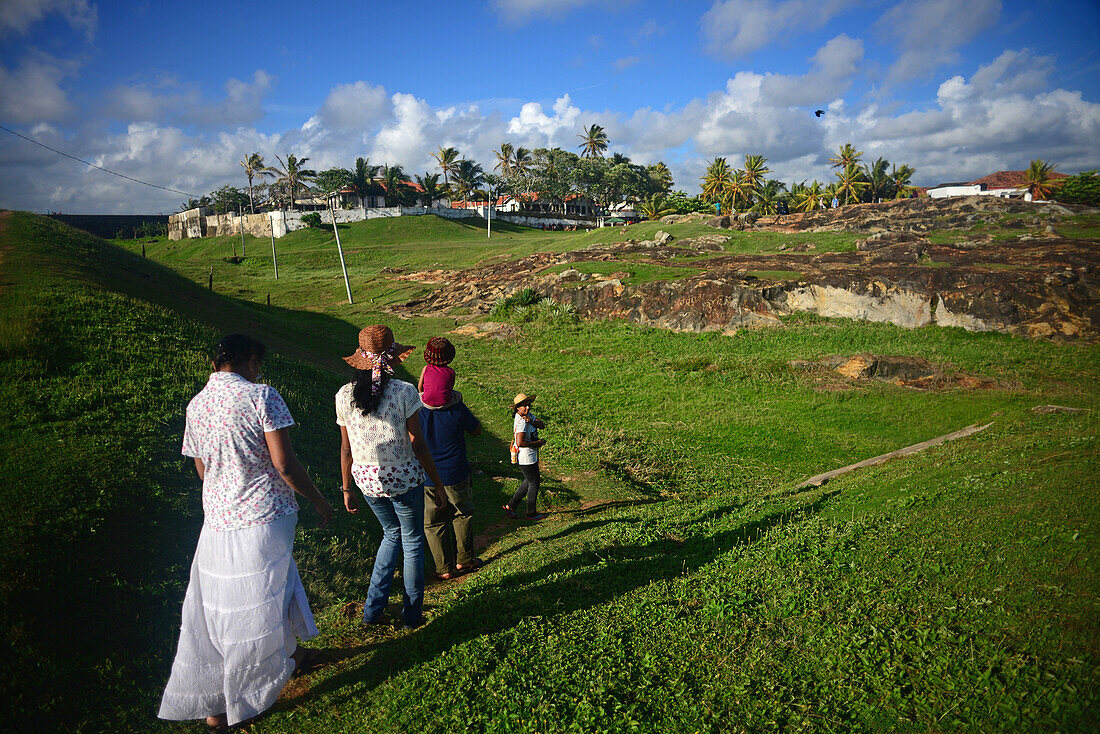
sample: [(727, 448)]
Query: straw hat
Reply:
[(376, 340), (522, 399), (439, 351)]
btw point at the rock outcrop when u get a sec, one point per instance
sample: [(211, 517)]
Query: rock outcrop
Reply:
[(1033, 286)]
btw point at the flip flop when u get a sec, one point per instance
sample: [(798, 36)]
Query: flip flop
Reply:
[(474, 565), (509, 511)]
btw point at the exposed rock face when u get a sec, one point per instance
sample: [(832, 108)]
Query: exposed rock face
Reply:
[(1039, 287)]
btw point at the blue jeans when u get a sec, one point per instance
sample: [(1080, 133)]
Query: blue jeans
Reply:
[(402, 519)]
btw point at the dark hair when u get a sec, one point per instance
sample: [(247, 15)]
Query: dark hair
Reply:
[(236, 350), (362, 394)]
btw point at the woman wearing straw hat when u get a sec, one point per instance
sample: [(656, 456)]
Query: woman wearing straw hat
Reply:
[(383, 452), (526, 436)]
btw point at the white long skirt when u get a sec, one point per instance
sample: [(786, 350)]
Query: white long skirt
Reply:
[(245, 606)]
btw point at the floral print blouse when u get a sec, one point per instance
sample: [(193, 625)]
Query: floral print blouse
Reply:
[(225, 428), (383, 462)]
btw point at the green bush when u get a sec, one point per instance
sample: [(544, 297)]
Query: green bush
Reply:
[(1084, 188), (313, 219)]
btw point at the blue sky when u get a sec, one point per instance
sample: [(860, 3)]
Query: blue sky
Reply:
[(177, 93)]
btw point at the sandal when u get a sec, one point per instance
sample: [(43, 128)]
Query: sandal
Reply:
[(474, 565), (449, 576), (509, 511)]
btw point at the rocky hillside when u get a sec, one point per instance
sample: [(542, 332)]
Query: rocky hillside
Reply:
[(1023, 278)]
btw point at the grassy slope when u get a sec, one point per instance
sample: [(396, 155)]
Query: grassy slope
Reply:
[(954, 589)]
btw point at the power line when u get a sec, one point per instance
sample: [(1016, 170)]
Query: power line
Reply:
[(106, 170)]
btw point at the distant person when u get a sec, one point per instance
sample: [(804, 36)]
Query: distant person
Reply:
[(450, 529), (384, 453), (437, 379), (525, 435), (783, 210), (245, 606), (836, 202)]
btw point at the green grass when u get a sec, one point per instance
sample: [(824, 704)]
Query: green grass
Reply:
[(774, 274), (637, 272), (679, 584)]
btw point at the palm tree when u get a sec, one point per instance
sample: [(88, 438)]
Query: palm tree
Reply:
[(253, 164), (846, 156), (716, 179), (807, 198), (755, 169), (660, 175), (739, 193), (505, 158), (655, 207), (1038, 178), (293, 174), (901, 178), (362, 180), (433, 190), (850, 184), (768, 195), (879, 182), (468, 177), (447, 159), (594, 141), (396, 182), (617, 159)]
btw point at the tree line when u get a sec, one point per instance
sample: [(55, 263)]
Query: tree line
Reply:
[(553, 176)]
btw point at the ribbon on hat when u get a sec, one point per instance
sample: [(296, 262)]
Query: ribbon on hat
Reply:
[(380, 362)]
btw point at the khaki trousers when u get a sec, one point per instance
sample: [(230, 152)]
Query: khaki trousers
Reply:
[(450, 531)]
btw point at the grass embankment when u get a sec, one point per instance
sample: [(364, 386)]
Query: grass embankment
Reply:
[(678, 584)]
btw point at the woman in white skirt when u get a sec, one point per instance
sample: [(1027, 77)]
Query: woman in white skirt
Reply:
[(245, 607)]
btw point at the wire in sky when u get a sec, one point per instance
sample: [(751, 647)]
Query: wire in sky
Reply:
[(106, 170)]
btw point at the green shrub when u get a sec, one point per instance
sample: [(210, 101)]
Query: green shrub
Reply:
[(1084, 188), (506, 306), (313, 219)]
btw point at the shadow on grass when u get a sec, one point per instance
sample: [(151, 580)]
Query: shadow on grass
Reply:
[(602, 577)]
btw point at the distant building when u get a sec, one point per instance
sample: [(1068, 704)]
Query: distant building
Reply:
[(1005, 184)]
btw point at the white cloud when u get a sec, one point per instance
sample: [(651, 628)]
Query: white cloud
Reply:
[(534, 124), (19, 15), (931, 31), (733, 28), (32, 92), (626, 62), (169, 101), (355, 106), (524, 11)]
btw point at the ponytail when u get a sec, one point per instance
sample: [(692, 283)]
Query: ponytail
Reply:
[(363, 396)]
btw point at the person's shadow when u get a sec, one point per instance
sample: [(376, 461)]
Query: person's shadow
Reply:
[(581, 580)]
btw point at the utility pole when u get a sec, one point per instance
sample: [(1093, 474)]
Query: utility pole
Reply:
[(340, 250), (240, 215), (274, 257)]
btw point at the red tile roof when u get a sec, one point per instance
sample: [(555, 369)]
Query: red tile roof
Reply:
[(1009, 179)]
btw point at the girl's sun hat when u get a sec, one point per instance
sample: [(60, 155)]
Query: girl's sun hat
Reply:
[(377, 348), (522, 399), (439, 351)]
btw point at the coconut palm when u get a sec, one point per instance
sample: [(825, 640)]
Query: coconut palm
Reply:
[(254, 166), (469, 176), (655, 207), (660, 175), (879, 182), (850, 184), (846, 156), (433, 190), (361, 182), (396, 183), (617, 159), (1038, 178), (739, 193), (716, 179), (901, 178), (755, 169), (294, 175), (505, 158), (807, 198), (768, 195), (447, 158), (594, 141)]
